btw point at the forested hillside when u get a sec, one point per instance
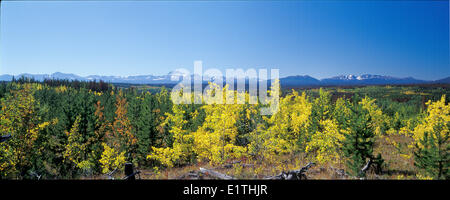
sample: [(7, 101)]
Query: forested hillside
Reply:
[(72, 130)]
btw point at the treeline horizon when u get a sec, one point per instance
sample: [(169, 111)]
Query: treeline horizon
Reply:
[(100, 85)]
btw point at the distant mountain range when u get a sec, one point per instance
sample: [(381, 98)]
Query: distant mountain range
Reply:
[(141, 79), (174, 77), (366, 79)]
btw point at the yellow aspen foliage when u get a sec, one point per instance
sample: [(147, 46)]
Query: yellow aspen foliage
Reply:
[(342, 113), (167, 156), (215, 140), (301, 110), (290, 122), (19, 118), (437, 122), (7, 162), (181, 149), (76, 147), (326, 144), (286, 128), (61, 89), (322, 105), (111, 159), (432, 141), (375, 113), (407, 130)]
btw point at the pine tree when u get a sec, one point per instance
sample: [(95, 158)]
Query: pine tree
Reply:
[(432, 143), (358, 143), (322, 106), (433, 157), (76, 149), (52, 140), (321, 110), (342, 113), (376, 115), (143, 124)]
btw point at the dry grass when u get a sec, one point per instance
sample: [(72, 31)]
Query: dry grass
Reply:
[(395, 166), (249, 170)]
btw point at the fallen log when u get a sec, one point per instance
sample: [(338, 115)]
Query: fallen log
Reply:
[(290, 175), (215, 174), (366, 167), (32, 173), (293, 174), (306, 167), (110, 174)]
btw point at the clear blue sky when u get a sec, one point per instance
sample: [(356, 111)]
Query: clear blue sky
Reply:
[(321, 39)]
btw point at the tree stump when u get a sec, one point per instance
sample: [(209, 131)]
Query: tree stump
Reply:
[(129, 171)]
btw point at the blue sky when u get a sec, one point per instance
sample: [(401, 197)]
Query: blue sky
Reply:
[(321, 39)]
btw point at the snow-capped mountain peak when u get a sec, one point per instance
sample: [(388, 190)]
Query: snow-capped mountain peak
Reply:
[(360, 77)]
